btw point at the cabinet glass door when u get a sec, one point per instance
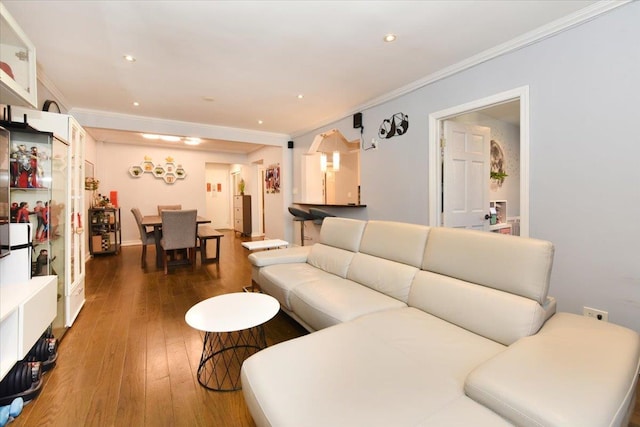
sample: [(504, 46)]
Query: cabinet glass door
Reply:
[(76, 192), (17, 64), (39, 196), (59, 222)]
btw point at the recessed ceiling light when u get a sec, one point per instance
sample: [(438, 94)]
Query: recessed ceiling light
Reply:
[(389, 38), (129, 58), (136, 104), (170, 138), (300, 96), (260, 122), (192, 140)]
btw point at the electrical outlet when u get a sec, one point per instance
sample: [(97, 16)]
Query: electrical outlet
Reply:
[(595, 313)]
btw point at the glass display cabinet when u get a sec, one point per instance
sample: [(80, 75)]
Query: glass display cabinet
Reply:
[(70, 130), (39, 169)]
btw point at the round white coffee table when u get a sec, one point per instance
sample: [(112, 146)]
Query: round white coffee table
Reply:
[(233, 331)]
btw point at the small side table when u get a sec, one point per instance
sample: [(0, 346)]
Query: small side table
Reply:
[(265, 244), (233, 326)]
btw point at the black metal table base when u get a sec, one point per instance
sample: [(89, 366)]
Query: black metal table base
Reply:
[(223, 354)]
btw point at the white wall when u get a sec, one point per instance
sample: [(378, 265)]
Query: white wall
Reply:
[(147, 192), (274, 204), (584, 177), (218, 203)]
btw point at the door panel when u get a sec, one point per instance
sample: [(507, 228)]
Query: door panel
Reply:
[(466, 175)]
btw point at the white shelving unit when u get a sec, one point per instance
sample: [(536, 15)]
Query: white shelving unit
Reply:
[(18, 85), (242, 214), (501, 226), (26, 310)]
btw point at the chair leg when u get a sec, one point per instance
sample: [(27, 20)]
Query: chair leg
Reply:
[(192, 258), (144, 255), (164, 258)]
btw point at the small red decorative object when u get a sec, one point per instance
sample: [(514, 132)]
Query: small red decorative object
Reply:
[(7, 69)]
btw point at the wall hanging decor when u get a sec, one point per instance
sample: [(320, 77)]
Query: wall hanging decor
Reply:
[(272, 179), (498, 164), (396, 125), (169, 171)]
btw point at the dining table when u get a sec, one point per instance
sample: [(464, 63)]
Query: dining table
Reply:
[(155, 221)]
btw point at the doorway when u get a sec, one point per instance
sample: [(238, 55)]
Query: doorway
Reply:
[(217, 195), (260, 173), (492, 105)]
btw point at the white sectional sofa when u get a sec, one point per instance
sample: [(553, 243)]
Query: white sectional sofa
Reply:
[(419, 326)]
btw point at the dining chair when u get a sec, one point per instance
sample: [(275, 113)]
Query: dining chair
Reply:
[(168, 208), (179, 232), (147, 237)]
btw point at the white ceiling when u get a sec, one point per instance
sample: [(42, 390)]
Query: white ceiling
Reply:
[(253, 58)]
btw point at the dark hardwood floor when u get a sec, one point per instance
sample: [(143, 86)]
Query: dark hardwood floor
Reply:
[(130, 359)]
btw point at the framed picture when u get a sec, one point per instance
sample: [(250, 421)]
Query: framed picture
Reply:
[(272, 179), (89, 169)]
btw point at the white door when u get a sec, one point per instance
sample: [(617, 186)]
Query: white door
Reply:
[(260, 200), (217, 195), (312, 179), (466, 170)]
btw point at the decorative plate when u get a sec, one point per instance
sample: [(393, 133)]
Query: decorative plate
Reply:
[(159, 171), (180, 172), (136, 171), (147, 166), (169, 178)]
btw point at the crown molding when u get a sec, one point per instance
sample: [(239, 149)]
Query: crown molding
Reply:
[(132, 123), (46, 82), (563, 24)]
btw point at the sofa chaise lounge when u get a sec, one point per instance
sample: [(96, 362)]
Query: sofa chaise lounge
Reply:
[(420, 326)]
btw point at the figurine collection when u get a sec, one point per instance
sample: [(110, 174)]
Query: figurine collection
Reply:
[(26, 167)]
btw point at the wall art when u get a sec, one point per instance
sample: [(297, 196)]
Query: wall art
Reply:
[(272, 179), (396, 125), (498, 163), (169, 172)]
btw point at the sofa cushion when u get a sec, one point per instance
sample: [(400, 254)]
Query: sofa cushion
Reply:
[(464, 412), (389, 277), (330, 259), (279, 256), (334, 300), (558, 377), (513, 264), (395, 241), (343, 233), (393, 368), (279, 280), (497, 315)]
